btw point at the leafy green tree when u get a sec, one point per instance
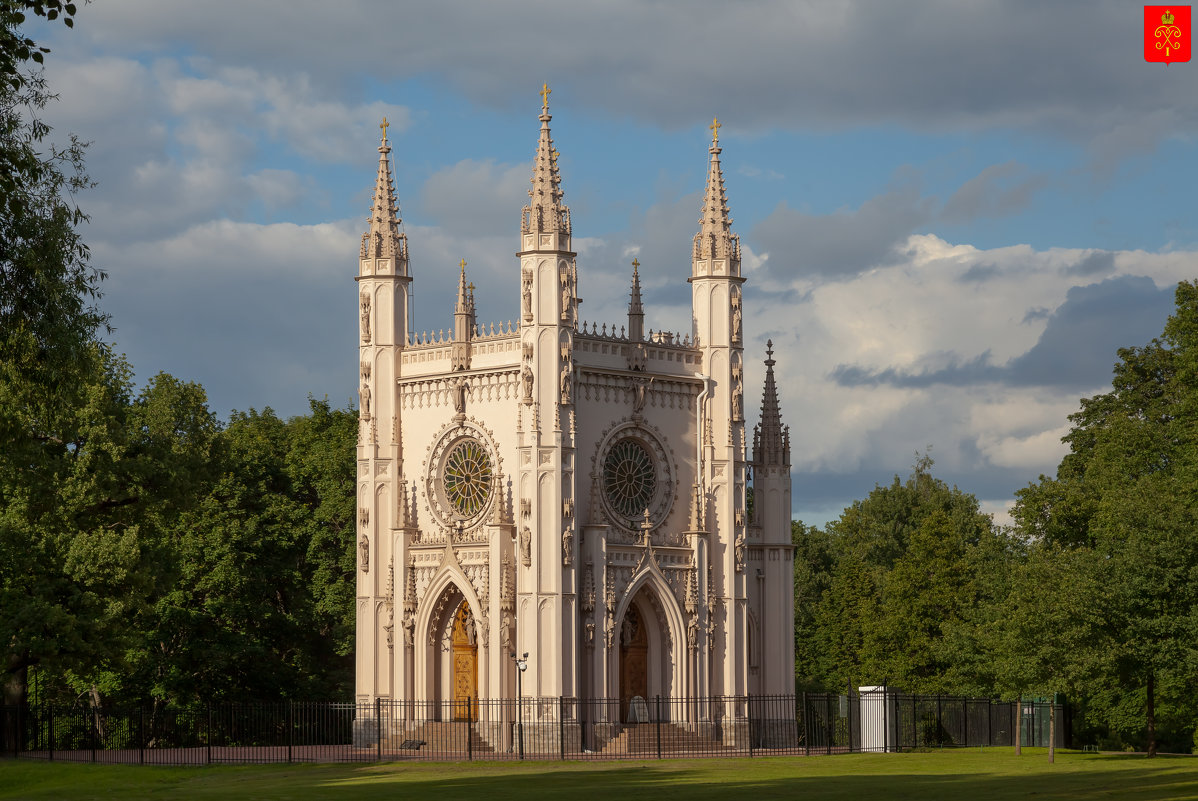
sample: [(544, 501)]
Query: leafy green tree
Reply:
[(891, 591), (1127, 493), (51, 367)]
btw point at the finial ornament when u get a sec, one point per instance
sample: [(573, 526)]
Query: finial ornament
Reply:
[(463, 265), (384, 125), (545, 92), (635, 265), (715, 130), (769, 348)]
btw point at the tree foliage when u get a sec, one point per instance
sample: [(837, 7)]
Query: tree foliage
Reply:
[(887, 594), (1125, 502)]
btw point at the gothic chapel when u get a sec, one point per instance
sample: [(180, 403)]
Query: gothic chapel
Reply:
[(577, 493)]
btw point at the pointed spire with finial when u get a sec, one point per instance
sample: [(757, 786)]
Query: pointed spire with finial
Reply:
[(545, 212), (771, 441), (636, 311), (715, 239), (463, 323), (463, 304), (386, 238)]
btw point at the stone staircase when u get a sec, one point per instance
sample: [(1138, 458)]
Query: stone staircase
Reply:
[(440, 738), (641, 740)]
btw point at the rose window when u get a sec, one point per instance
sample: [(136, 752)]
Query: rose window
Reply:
[(467, 477), (629, 478)]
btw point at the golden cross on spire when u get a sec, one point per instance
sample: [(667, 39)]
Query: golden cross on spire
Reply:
[(384, 125), (715, 129), (635, 265), (545, 92), (470, 286), (463, 265)]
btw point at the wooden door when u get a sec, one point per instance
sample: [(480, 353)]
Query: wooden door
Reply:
[(634, 663), (465, 662)]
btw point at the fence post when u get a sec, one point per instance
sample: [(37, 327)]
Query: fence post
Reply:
[(828, 713), (378, 728), (806, 727), (290, 727), (659, 725), (469, 740), (141, 735), (208, 739), (92, 733), (939, 722), (848, 705), (51, 731), (561, 724), (749, 717)]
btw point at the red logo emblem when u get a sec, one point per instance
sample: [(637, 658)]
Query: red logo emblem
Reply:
[(1167, 33)]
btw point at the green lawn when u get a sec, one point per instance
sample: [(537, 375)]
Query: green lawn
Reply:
[(968, 775)]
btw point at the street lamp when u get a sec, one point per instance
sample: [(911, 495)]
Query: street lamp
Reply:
[(521, 666)]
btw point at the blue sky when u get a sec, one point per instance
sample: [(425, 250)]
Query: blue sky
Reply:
[(952, 213)]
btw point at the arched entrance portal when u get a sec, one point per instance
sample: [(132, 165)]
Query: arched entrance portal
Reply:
[(634, 663), (464, 648)]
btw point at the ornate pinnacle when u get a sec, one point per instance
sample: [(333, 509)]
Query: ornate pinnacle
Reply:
[(769, 445)]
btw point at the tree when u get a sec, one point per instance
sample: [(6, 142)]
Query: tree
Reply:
[(889, 592), (49, 357), (1127, 494)]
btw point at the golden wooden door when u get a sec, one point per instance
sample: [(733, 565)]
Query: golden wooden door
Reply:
[(465, 663)]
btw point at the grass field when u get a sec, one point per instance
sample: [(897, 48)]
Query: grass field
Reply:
[(970, 775)]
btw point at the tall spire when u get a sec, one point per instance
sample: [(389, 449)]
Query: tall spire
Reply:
[(545, 212), (463, 323), (715, 239), (465, 299), (636, 312), (385, 239), (771, 440)]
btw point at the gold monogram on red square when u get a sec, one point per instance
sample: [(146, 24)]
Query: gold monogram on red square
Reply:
[(1167, 33)]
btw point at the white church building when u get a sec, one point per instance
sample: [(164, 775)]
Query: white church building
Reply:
[(585, 495)]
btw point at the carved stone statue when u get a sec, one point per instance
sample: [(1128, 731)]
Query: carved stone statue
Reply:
[(566, 383), (565, 298), (639, 386), (526, 377), (364, 553), (366, 318), (526, 546), (409, 628), (526, 296), (505, 631), (736, 317), (364, 393), (740, 551), (567, 546), (459, 397)]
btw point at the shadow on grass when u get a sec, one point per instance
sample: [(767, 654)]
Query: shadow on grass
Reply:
[(1142, 781), (961, 775)]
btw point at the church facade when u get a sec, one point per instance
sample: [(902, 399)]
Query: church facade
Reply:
[(584, 499)]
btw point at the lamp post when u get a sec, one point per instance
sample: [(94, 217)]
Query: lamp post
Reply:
[(521, 666)]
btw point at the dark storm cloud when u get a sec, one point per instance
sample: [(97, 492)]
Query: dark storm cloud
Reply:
[(842, 243), (998, 191), (1070, 66), (1076, 351)]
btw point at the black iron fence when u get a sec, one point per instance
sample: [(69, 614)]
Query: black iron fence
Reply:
[(533, 728)]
